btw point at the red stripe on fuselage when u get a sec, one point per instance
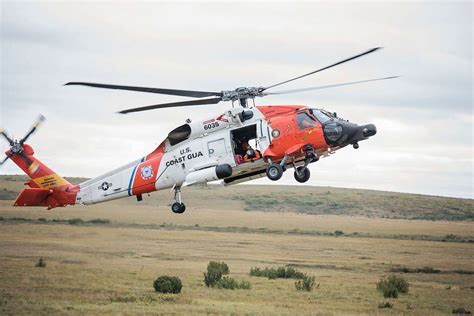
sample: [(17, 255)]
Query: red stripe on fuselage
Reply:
[(147, 171)]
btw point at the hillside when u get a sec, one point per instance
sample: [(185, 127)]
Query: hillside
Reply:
[(297, 199), (103, 259)]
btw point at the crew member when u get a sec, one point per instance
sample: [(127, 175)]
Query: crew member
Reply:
[(250, 154)]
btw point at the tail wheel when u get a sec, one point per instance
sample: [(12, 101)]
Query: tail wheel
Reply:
[(178, 208), (274, 172), (302, 174)]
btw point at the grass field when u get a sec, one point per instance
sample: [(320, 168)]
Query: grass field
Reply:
[(109, 265)]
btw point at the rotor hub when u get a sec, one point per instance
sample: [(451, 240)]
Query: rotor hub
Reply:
[(16, 148), (242, 93)]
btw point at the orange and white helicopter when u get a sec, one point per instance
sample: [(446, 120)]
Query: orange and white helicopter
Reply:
[(199, 151)]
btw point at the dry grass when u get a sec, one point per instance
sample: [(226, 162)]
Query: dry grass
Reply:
[(97, 269), (110, 268)]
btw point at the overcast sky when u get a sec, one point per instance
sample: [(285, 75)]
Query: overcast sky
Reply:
[(424, 119)]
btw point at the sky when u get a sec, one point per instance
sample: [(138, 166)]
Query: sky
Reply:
[(424, 118)]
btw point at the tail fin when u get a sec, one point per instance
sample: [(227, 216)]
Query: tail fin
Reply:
[(41, 176), (47, 188)]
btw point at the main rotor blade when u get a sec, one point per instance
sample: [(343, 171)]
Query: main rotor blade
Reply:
[(9, 140), (173, 104), (327, 67), (39, 120), (184, 93), (7, 157), (327, 86)]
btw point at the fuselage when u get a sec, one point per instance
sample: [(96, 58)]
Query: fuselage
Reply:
[(202, 151)]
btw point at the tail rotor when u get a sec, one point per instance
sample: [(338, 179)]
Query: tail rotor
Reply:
[(16, 146)]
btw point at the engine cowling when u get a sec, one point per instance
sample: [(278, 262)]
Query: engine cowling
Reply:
[(196, 129)]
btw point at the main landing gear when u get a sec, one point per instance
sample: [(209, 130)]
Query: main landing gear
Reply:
[(302, 173), (274, 171), (178, 207)]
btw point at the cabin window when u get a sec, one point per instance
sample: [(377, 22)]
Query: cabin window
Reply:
[(305, 120), (320, 115)]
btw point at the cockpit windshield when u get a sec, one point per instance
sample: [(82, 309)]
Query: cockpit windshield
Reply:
[(322, 116)]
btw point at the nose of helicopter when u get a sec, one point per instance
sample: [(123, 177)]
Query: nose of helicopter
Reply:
[(363, 132), (368, 130), (343, 133)]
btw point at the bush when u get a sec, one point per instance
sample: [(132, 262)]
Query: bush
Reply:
[(391, 286), (41, 263), (168, 284), (245, 285), (278, 273), (214, 273), (385, 305), (227, 283), (338, 233), (305, 284), (231, 284), (219, 266), (214, 277)]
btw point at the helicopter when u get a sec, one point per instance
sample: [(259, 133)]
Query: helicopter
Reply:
[(200, 151)]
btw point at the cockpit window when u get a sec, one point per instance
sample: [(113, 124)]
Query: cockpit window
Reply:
[(305, 120), (321, 116)]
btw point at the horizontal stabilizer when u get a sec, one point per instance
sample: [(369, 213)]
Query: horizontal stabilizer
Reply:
[(33, 197)]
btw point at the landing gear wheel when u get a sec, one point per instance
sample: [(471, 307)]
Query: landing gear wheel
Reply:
[(178, 208), (302, 174), (274, 172)]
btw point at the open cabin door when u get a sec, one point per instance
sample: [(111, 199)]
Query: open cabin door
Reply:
[(263, 135)]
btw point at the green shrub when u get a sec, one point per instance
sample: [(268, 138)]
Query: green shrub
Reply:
[(211, 277), (168, 284), (245, 285), (229, 283), (214, 277), (41, 263), (214, 273), (220, 266), (305, 284), (391, 286), (338, 233), (278, 273)]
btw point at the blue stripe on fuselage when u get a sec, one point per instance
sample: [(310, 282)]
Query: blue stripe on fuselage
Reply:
[(133, 176)]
